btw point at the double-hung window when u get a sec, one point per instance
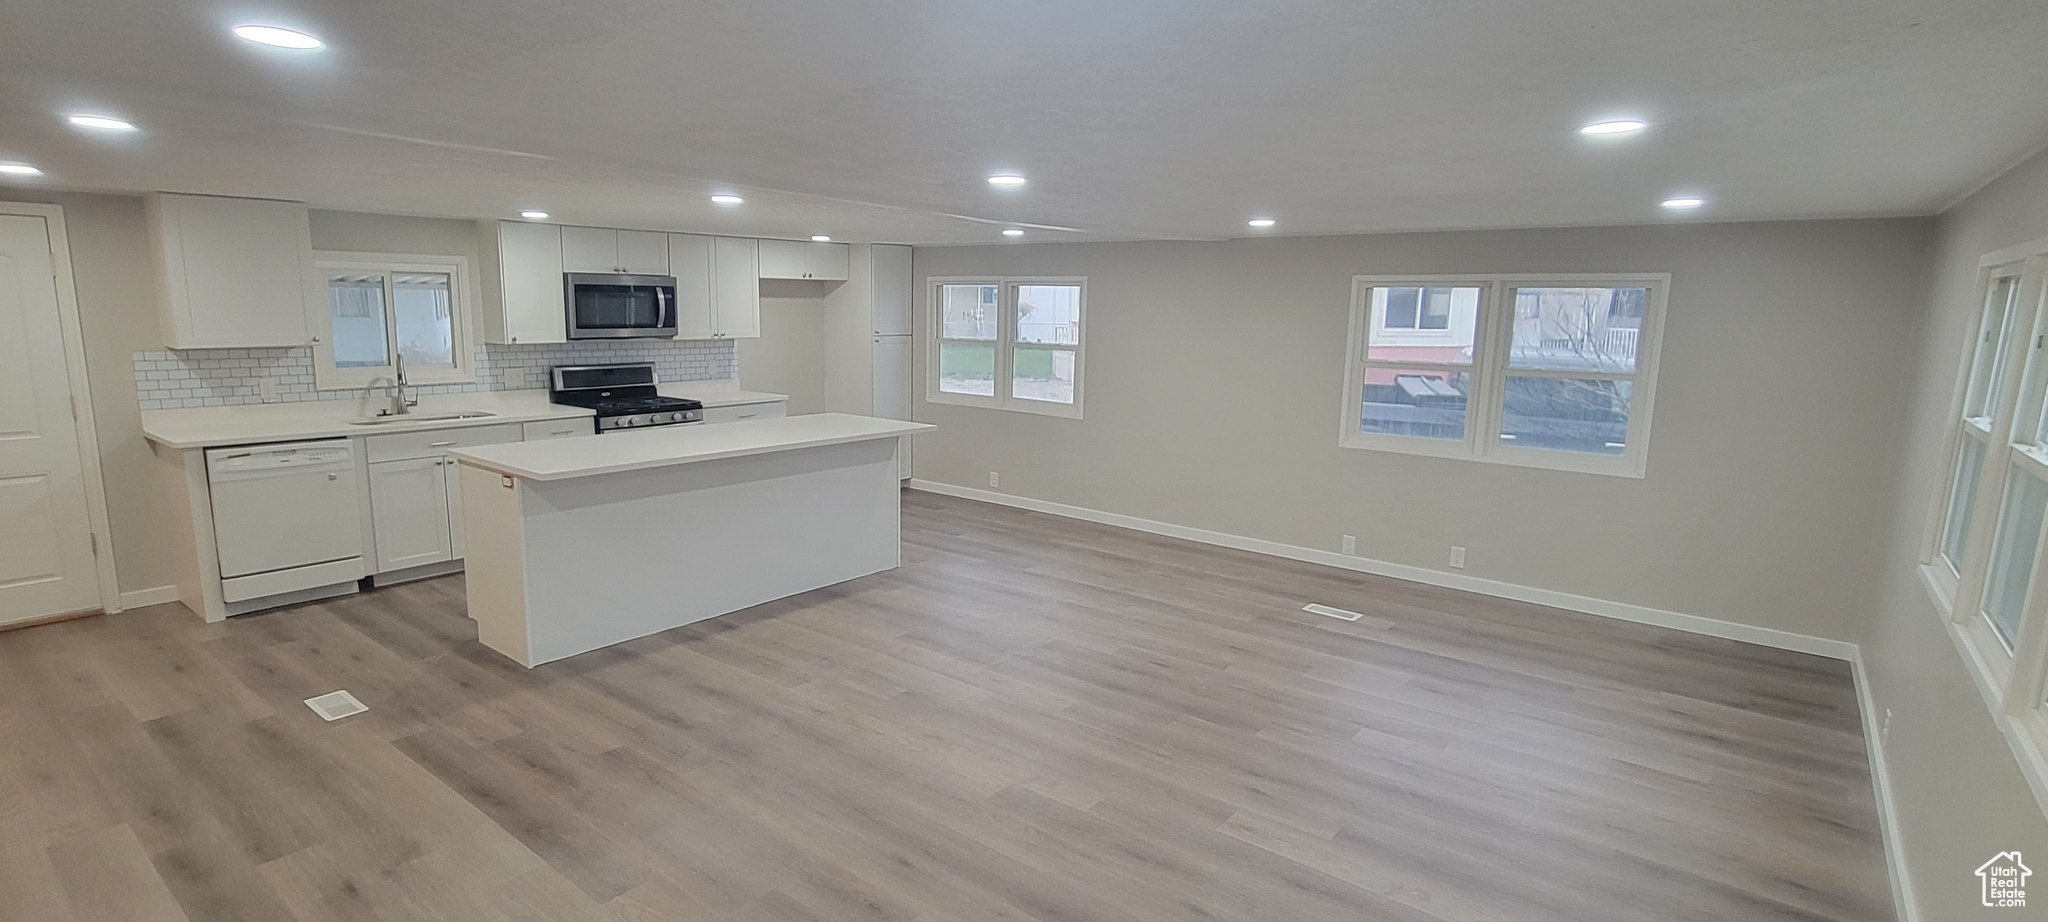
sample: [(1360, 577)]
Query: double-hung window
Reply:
[(380, 308), (1008, 343), (1984, 544), (1534, 370)]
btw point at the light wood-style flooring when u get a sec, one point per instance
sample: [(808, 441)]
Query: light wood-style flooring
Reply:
[(1033, 719)]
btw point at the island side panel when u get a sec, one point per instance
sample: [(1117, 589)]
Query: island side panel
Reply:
[(494, 545), (617, 556)]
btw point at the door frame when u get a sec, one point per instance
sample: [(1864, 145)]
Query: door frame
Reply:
[(81, 395)]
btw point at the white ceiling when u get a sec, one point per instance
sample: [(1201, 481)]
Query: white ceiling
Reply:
[(1133, 118)]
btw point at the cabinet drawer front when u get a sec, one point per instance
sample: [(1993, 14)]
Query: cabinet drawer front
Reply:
[(429, 443), (734, 414), (560, 428)]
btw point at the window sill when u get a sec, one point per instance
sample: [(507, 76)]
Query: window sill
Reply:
[(1567, 462), (1033, 407), (2025, 744)]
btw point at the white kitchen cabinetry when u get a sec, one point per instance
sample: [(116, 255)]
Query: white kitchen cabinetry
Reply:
[(603, 249), (522, 286), (800, 259), (892, 290), (732, 414), (232, 272), (409, 503), (736, 288), (415, 499), (690, 261), (559, 429)]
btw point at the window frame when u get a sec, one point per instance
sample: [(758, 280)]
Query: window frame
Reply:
[(1006, 344), (1486, 397), (2013, 681), (462, 315)]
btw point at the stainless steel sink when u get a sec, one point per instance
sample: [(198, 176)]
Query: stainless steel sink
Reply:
[(418, 418)]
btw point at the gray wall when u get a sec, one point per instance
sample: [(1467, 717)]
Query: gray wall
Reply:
[(1960, 795), (1214, 373)]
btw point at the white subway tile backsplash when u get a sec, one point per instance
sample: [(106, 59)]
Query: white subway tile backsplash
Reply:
[(230, 377)]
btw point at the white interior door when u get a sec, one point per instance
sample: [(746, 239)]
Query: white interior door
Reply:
[(46, 551)]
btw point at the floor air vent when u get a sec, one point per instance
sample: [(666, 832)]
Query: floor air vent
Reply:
[(336, 705), (1337, 613)]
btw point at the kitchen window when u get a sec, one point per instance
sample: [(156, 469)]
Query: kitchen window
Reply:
[(1533, 370), (377, 309), (1984, 549), (1008, 343)]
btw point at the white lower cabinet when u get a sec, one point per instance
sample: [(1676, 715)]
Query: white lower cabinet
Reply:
[(733, 414), (416, 496), (409, 502)]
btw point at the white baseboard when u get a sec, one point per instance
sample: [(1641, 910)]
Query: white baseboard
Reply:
[(141, 597), (1880, 778), (1887, 808), (1712, 627)]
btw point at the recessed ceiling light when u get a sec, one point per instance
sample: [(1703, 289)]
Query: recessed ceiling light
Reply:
[(19, 169), (1013, 232), (1262, 222), (1615, 126), (1684, 203), (820, 238), (100, 122), (724, 199), (1006, 179), (279, 38), (534, 215)]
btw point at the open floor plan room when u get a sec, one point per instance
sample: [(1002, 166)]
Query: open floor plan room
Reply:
[(1074, 461), (1031, 718)]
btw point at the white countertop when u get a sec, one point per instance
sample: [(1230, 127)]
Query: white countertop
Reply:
[(206, 427), (611, 453)]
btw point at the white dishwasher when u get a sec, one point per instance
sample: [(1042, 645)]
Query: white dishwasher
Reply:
[(285, 517)]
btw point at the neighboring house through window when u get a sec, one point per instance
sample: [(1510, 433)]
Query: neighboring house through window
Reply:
[(380, 308), (1008, 343), (1543, 371)]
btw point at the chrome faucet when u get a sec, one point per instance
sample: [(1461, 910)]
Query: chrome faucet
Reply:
[(395, 390), (400, 403)]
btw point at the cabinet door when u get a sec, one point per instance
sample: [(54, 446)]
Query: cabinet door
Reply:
[(409, 513), (736, 287), (590, 249), (233, 271), (451, 474), (892, 288), (530, 305), (785, 259), (892, 377), (827, 261), (643, 252), (689, 260), (732, 414)]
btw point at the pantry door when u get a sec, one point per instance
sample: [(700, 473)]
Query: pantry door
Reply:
[(47, 552)]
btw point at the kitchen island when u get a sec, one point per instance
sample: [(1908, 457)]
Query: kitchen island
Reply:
[(577, 544)]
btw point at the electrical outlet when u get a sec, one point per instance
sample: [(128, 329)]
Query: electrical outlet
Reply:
[(1457, 557), (994, 479), (266, 390), (1350, 544), (1884, 729)]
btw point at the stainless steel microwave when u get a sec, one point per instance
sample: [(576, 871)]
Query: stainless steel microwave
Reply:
[(604, 305)]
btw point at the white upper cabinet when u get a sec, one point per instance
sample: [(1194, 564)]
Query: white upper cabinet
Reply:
[(803, 259), (689, 260), (232, 272), (602, 249), (736, 288), (523, 300), (784, 259), (892, 289), (590, 249), (643, 252)]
